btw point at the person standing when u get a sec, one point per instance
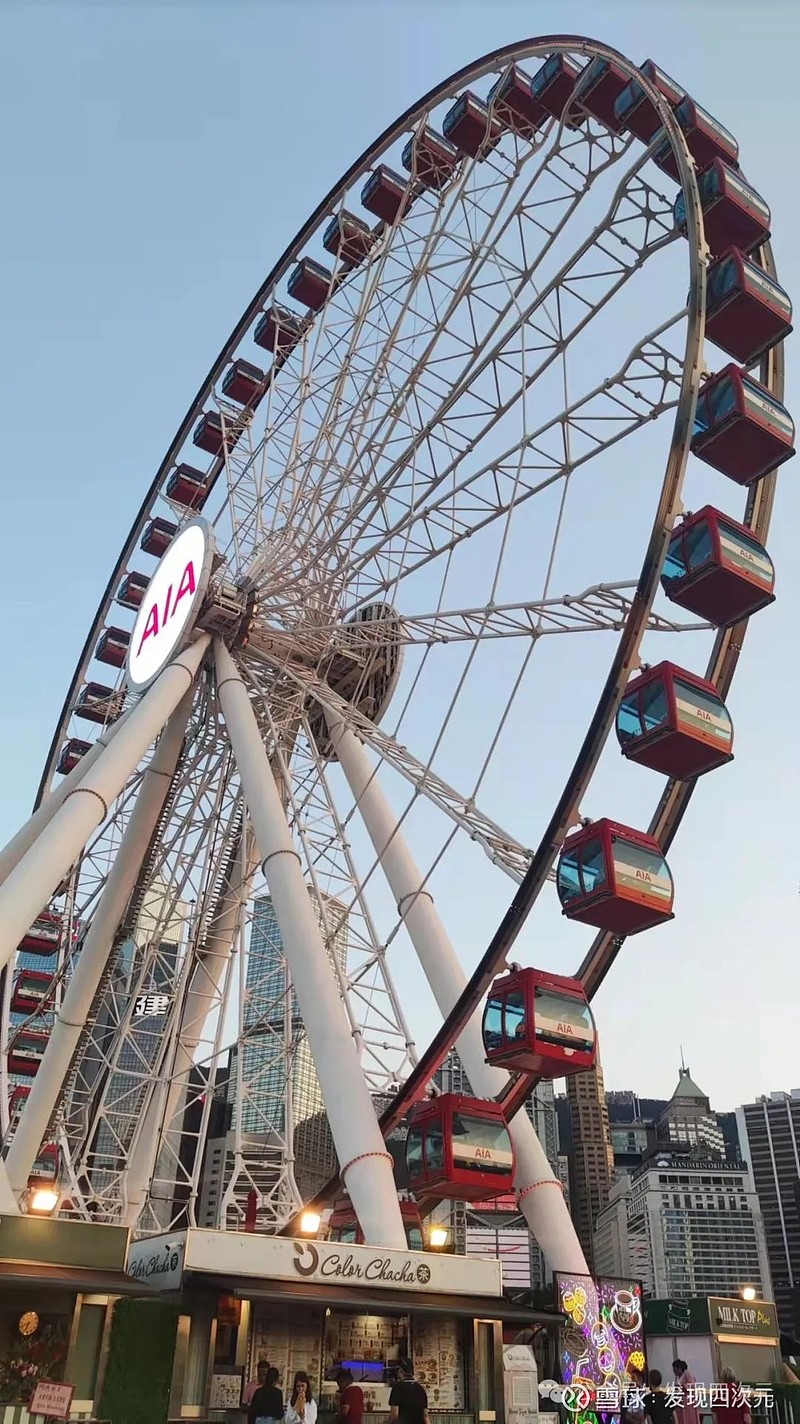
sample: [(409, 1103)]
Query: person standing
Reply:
[(302, 1406), (408, 1402), (687, 1412), (267, 1402), (736, 1410), (261, 1378), (656, 1405), (351, 1399), (632, 1410)]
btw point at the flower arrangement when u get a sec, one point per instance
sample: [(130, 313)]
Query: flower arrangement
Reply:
[(41, 1356)]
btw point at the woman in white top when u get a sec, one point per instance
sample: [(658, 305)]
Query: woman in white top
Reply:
[(302, 1407)]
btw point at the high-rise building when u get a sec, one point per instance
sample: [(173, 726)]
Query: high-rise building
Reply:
[(685, 1226), (277, 1065), (769, 1131), (687, 1123), (145, 971), (591, 1157), (273, 1080), (541, 1109)]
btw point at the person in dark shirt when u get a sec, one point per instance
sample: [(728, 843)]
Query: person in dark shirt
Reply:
[(351, 1399), (267, 1402), (408, 1402), (656, 1405)]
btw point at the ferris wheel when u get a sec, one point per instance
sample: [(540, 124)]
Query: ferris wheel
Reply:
[(327, 707)]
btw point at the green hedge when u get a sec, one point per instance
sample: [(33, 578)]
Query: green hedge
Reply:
[(139, 1370)]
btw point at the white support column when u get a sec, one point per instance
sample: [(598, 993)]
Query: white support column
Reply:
[(12, 854), (45, 864), (366, 1165), (93, 958), (202, 995), (539, 1193)]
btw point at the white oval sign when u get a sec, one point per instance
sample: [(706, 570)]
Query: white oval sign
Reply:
[(170, 603)]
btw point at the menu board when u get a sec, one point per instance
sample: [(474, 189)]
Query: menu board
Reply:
[(289, 1347), (362, 1337), (439, 1361), (226, 1391)]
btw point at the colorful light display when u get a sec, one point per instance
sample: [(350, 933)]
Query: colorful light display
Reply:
[(602, 1346)]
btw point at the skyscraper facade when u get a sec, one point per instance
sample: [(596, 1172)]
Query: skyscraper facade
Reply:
[(688, 1123), (591, 1156), (769, 1131), (145, 970), (279, 1083), (686, 1226)]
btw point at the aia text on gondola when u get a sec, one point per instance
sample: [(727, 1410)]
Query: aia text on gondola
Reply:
[(171, 603)]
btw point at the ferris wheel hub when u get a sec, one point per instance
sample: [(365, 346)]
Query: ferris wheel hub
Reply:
[(361, 665)]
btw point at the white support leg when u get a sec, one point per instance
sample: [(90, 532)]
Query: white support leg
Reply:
[(12, 854), (166, 1104), (93, 958), (44, 865), (365, 1163), (539, 1193)]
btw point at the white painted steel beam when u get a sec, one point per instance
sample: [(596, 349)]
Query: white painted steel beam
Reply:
[(366, 1165), (539, 1193), (44, 865), (92, 960), (12, 854)]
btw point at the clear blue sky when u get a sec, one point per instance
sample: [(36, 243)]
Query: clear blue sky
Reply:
[(123, 269)]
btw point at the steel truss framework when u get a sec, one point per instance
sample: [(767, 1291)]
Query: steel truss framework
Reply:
[(443, 427)]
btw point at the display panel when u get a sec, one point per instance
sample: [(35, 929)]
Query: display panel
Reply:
[(602, 1345)]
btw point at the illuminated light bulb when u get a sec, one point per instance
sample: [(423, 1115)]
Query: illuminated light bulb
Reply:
[(44, 1200)]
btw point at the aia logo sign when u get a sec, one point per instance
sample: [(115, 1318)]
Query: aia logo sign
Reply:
[(170, 603)]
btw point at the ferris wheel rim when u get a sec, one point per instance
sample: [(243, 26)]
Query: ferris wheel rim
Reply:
[(533, 47)]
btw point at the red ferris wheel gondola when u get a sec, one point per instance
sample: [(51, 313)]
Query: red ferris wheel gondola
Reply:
[(634, 111), (716, 569), (344, 1224), (537, 1022), (747, 313), (734, 214), (459, 1148), (32, 988), (674, 722), (614, 878), (598, 90), (706, 139), (740, 427)]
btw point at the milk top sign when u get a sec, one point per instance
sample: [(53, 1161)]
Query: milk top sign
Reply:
[(170, 603), (731, 1317)]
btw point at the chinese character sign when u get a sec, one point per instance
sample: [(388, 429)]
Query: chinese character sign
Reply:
[(52, 1400), (151, 1006), (591, 1403), (602, 1348)]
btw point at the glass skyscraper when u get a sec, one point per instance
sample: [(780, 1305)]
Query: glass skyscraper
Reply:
[(276, 1060)]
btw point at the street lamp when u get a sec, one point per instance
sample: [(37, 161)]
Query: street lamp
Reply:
[(748, 1293), (43, 1200), (437, 1237), (310, 1223)]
